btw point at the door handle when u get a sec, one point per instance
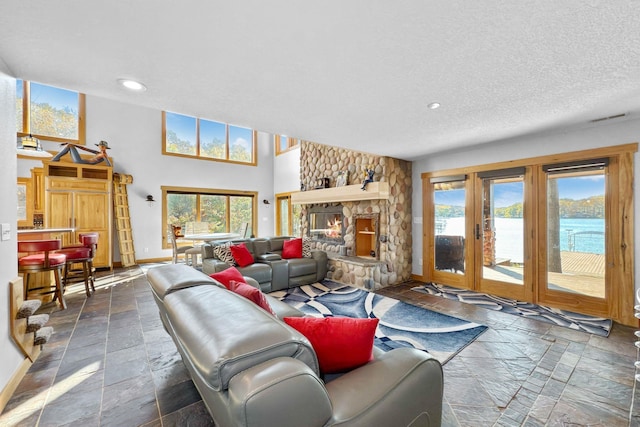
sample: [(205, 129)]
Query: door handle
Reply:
[(477, 231)]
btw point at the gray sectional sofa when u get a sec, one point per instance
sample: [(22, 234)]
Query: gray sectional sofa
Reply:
[(252, 369), (269, 269)]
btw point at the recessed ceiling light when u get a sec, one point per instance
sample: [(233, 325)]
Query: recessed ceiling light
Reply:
[(132, 85), (433, 105)]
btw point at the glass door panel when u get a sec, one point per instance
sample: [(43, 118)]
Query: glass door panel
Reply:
[(500, 233), (576, 233), (448, 256)]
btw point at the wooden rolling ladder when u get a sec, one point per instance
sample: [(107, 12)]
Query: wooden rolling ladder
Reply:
[(123, 219)]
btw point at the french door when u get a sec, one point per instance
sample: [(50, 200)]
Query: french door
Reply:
[(555, 230), (574, 215), (502, 243), (479, 237)]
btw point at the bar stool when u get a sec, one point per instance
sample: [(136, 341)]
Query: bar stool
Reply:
[(42, 259), (81, 254)]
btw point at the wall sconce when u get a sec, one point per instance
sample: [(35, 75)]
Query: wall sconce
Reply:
[(150, 200), (265, 201)]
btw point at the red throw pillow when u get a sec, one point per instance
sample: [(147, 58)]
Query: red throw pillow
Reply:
[(227, 275), (252, 294), (242, 255), (292, 248), (341, 343)]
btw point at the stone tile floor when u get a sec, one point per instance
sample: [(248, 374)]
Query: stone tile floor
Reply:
[(110, 363)]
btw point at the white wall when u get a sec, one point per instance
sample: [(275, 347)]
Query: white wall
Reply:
[(615, 133), (286, 172), (134, 134), (11, 356)]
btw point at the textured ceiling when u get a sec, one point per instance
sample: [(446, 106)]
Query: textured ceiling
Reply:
[(356, 74)]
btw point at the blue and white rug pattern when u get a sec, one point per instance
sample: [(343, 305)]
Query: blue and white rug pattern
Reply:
[(581, 322), (400, 324)]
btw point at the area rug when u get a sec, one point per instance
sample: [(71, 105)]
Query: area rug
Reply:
[(580, 322), (401, 324)]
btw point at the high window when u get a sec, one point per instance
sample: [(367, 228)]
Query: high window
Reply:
[(223, 211), (50, 113), (206, 139), (285, 143)]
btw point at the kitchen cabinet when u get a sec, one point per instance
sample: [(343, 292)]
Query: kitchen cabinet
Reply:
[(79, 196)]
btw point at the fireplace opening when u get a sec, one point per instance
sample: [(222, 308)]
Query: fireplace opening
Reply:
[(326, 224), (366, 238)]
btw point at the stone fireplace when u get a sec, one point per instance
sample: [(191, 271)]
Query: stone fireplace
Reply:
[(375, 250)]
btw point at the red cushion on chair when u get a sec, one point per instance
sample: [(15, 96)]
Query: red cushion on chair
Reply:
[(242, 255), (75, 252), (341, 343), (38, 259), (292, 248), (227, 275)]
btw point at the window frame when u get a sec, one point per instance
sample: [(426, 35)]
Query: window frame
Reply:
[(26, 116), (254, 142), (166, 244), (292, 143)]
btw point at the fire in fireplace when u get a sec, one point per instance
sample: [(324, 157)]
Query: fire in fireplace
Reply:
[(326, 224)]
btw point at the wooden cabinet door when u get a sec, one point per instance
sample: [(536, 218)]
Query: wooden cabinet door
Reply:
[(37, 178), (60, 214), (92, 214)]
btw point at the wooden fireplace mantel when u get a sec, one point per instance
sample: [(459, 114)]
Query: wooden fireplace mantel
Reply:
[(347, 193)]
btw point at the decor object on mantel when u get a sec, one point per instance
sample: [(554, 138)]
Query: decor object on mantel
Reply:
[(322, 183), (29, 146), (342, 179), (374, 191), (368, 177)]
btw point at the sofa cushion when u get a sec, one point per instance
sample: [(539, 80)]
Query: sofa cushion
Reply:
[(301, 267), (252, 294), (223, 334), (341, 343), (227, 275), (241, 255), (292, 248), (260, 272), (306, 247), (223, 253)]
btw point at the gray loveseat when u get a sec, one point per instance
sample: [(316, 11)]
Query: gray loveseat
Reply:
[(252, 369), (269, 269)]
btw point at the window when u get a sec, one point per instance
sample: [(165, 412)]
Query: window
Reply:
[(50, 113), (285, 143), (288, 216), (207, 139), (223, 211)]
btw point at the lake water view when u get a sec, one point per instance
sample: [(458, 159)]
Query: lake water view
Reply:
[(576, 235)]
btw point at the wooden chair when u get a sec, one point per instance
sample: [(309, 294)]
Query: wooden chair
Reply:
[(177, 250), (42, 258), (81, 254)]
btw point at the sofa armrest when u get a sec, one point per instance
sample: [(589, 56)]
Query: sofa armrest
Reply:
[(268, 257), (278, 393), (402, 387), (322, 264)]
